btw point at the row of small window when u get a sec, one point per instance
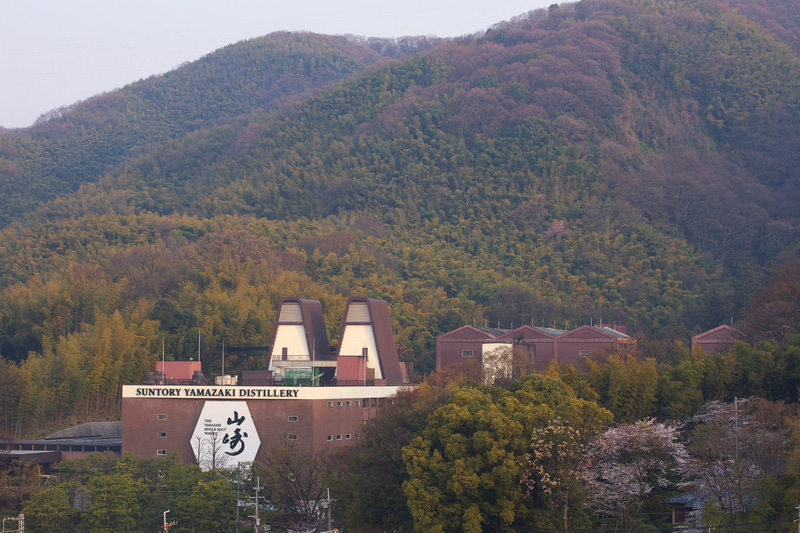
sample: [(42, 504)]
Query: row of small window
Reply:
[(347, 403), (339, 437), (291, 436), (291, 418), (372, 402)]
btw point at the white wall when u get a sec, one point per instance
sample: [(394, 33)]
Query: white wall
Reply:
[(357, 337), (292, 337)]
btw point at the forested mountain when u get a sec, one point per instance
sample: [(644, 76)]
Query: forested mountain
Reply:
[(604, 161), (73, 145)]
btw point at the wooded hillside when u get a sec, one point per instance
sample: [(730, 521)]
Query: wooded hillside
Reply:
[(605, 161)]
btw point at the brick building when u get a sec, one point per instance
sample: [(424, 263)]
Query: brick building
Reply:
[(306, 395), (537, 345), (719, 339), (463, 345)]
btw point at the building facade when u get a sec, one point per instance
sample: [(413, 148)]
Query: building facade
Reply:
[(538, 346), (463, 345), (575, 346), (307, 395), (200, 423)]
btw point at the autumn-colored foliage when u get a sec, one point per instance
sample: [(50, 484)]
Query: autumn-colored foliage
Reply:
[(615, 161)]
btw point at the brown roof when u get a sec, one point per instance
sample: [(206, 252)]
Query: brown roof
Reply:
[(530, 332), (472, 332), (720, 332), (313, 321), (719, 339), (594, 332)]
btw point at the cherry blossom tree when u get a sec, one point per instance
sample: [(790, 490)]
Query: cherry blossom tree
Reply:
[(625, 464), (557, 229)]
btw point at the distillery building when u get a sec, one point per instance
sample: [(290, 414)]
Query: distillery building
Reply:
[(307, 395)]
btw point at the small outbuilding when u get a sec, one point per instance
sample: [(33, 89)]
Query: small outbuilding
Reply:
[(719, 339), (687, 508)]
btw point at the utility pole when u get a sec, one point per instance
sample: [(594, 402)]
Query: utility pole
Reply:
[(329, 509), (257, 488), (329, 504), (238, 470), (798, 518)]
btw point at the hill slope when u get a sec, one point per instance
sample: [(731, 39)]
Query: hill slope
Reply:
[(674, 106), (78, 144), (605, 161)]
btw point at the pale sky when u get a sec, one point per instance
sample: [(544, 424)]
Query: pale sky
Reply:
[(54, 53)]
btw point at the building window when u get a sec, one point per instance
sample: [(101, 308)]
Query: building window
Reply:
[(330, 404), (585, 353), (356, 435), (329, 437), (466, 353), (162, 435), (358, 402), (347, 437), (291, 313), (161, 417), (347, 403), (364, 403), (358, 313), (293, 419), (161, 452), (338, 437), (339, 403), (292, 436)]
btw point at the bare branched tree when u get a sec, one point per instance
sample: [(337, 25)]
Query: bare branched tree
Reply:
[(737, 448), (210, 453), (505, 364), (296, 481)]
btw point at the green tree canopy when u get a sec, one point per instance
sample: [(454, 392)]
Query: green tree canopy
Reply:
[(465, 469)]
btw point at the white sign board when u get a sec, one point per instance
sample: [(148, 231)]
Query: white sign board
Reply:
[(211, 392), (225, 435)]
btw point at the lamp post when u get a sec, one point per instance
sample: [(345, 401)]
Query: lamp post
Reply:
[(166, 525)]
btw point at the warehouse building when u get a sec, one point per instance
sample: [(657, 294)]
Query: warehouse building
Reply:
[(537, 346)]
